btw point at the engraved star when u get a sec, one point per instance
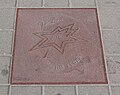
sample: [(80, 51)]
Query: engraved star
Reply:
[(58, 38)]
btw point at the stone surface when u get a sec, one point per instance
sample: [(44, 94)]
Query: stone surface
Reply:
[(63, 90), (7, 3), (29, 3), (5, 42), (111, 40), (3, 90), (26, 90), (109, 17), (58, 46), (56, 3), (115, 90), (113, 64), (7, 18), (108, 3), (82, 3), (4, 70), (93, 90)]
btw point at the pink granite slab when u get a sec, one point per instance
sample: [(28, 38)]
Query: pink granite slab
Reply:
[(57, 46)]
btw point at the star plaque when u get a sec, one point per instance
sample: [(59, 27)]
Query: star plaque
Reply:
[(57, 46)]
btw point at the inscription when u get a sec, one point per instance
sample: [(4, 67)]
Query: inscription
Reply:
[(51, 20), (56, 20), (74, 65)]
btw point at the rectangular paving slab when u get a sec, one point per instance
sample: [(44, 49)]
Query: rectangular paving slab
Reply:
[(57, 46)]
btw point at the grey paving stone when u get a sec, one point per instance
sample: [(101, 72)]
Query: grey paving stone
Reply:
[(93, 91), (4, 69), (113, 64), (56, 3), (7, 3), (59, 90), (109, 17), (3, 90), (29, 3), (108, 3), (5, 41), (82, 3), (26, 90), (115, 90), (111, 40), (7, 17)]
